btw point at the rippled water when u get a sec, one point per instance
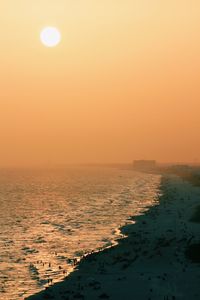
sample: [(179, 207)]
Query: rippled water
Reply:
[(48, 217)]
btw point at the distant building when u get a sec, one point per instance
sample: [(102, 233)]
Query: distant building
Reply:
[(144, 164)]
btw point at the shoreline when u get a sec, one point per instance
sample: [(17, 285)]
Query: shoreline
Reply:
[(150, 263)]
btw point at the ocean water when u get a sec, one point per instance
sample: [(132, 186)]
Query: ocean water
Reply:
[(49, 217)]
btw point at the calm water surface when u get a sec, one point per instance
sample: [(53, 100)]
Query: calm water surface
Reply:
[(48, 217)]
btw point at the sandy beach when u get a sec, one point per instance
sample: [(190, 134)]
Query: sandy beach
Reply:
[(157, 259)]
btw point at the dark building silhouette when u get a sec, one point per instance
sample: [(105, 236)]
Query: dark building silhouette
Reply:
[(144, 164)]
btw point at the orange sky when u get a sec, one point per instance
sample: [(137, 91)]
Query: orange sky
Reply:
[(124, 83)]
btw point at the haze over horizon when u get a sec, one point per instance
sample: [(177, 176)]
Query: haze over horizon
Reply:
[(123, 83)]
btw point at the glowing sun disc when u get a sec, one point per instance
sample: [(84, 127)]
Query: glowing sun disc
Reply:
[(50, 36)]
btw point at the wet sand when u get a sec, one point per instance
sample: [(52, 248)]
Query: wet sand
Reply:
[(151, 263)]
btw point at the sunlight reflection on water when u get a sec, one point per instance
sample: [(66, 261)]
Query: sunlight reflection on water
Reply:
[(49, 217)]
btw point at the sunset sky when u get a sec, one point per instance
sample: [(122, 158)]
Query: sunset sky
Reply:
[(123, 84)]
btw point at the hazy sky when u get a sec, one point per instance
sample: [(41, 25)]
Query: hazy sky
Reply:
[(124, 83)]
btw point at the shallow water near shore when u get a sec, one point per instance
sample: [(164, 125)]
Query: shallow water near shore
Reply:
[(49, 217)]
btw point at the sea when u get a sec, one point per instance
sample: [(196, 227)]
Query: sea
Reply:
[(50, 218)]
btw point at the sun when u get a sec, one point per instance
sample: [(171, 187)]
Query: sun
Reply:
[(50, 36)]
